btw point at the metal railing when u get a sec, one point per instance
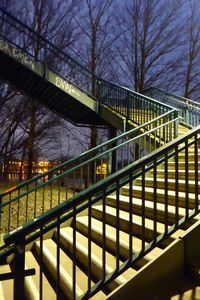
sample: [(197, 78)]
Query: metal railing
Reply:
[(179, 205), (134, 106), (189, 110), (35, 196)]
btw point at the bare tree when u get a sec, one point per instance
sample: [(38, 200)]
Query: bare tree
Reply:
[(97, 27), (148, 48), (11, 135), (54, 21), (191, 52)]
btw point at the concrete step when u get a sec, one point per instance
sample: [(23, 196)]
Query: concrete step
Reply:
[(50, 263), (124, 204), (172, 174), (66, 239), (193, 293), (181, 165), (6, 287), (160, 195), (110, 239), (137, 226), (191, 156), (186, 289), (32, 283), (171, 184)]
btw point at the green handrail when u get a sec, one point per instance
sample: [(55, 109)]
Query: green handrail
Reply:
[(67, 179), (189, 110), (90, 197)]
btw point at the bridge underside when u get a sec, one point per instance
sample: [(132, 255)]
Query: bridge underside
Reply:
[(35, 84)]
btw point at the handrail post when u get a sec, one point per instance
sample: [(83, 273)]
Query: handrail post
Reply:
[(113, 134), (187, 119), (19, 269), (176, 124), (128, 108)]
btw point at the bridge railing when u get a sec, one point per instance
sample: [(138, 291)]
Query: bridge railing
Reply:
[(134, 106), (189, 110)]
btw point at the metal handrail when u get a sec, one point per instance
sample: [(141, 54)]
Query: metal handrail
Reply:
[(189, 110), (25, 26), (179, 99), (90, 197), (138, 108), (143, 163), (91, 152), (113, 155)]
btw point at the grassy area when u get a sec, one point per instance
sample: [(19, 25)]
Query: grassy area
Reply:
[(31, 205), (5, 184)]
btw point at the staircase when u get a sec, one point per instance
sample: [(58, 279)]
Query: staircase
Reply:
[(105, 236), (91, 238)]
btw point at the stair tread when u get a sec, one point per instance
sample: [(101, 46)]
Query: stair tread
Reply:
[(170, 180), (181, 165), (150, 204), (190, 153), (174, 171), (32, 282), (96, 253), (186, 289), (171, 184), (172, 174), (161, 192), (49, 254), (6, 287), (138, 220), (124, 237), (194, 293)]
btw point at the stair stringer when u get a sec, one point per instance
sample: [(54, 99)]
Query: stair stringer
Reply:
[(164, 277)]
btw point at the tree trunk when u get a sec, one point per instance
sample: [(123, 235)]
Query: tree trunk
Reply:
[(31, 154)]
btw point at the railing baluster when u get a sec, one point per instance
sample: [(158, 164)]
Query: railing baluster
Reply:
[(27, 188), (58, 258), (104, 236), (9, 211), (81, 179), (74, 255), (143, 209), (196, 160), (41, 264), (73, 183), (59, 183), (19, 268), (35, 201), (130, 217), (166, 192), (155, 200), (186, 180), (176, 177), (117, 223), (51, 193), (43, 197), (89, 244), (18, 208)]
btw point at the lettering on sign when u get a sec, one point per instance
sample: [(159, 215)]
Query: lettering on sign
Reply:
[(66, 86), (16, 53)]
